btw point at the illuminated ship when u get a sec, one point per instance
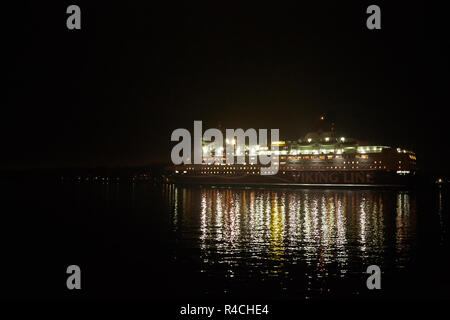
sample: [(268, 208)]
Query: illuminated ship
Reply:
[(321, 158)]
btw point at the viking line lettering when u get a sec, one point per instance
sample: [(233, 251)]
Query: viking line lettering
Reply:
[(323, 177), (332, 177)]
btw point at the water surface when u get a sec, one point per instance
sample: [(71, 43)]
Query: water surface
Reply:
[(295, 243), (166, 242)]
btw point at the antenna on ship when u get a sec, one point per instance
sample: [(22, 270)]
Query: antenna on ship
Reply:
[(219, 126), (321, 124), (333, 135), (326, 124)]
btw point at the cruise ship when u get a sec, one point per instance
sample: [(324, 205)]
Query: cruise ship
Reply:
[(321, 158)]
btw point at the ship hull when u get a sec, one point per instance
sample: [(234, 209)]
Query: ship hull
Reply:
[(307, 178)]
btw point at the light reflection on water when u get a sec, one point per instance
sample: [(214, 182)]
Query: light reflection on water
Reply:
[(286, 234)]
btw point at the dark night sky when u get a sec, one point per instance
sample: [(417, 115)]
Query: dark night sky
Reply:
[(112, 93)]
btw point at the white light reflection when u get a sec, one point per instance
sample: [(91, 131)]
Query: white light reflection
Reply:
[(405, 227), (362, 224), (268, 232)]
